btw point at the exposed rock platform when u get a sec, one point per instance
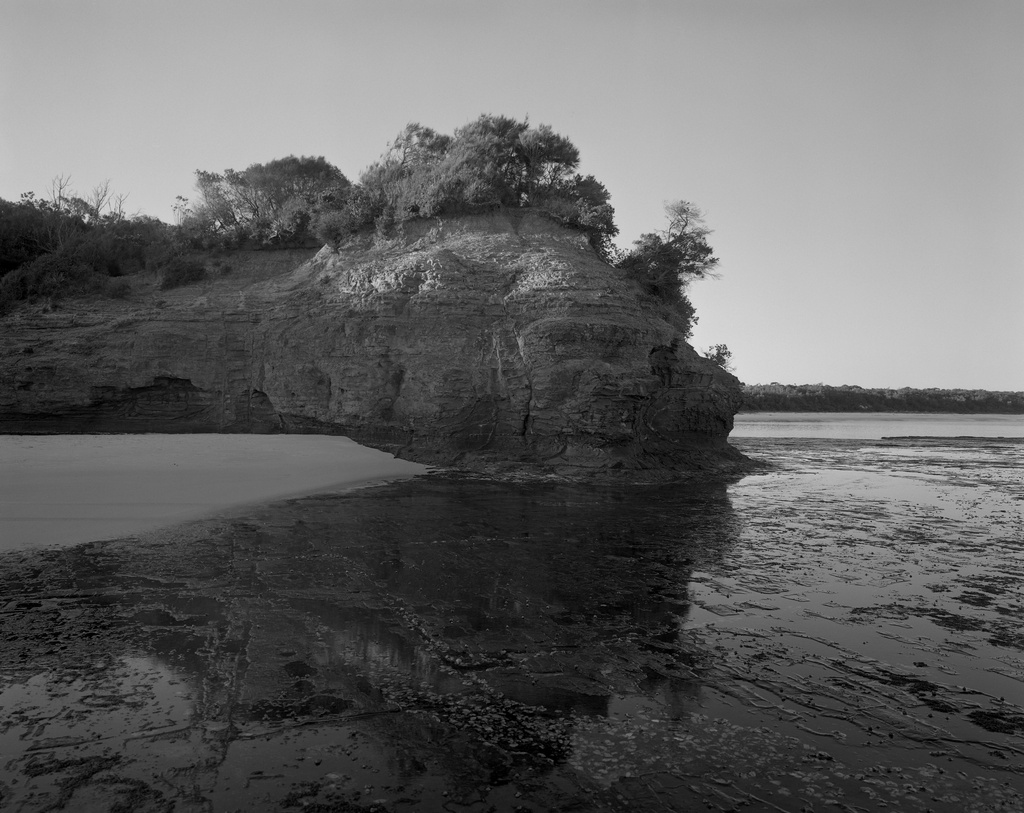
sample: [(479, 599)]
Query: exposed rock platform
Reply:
[(480, 341)]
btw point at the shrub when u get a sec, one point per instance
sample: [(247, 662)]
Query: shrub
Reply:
[(492, 162), (357, 212), (181, 271), (330, 227), (118, 288), (664, 263), (263, 204), (51, 276)]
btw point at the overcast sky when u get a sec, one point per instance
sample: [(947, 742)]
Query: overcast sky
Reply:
[(861, 162)]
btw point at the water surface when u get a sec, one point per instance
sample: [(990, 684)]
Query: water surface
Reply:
[(867, 425), (843, 631)]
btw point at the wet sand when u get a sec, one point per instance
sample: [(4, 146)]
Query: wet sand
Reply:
[(841, 633), (66, 489)]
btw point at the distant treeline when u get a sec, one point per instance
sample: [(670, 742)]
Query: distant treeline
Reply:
[(825, 398)]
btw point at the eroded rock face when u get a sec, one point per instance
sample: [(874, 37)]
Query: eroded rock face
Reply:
[(476, 341)]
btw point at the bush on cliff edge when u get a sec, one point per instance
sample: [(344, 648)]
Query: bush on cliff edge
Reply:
[(492, 162), (50, 277)]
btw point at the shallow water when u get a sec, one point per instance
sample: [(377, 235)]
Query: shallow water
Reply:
[(875, 425), (844, 629)]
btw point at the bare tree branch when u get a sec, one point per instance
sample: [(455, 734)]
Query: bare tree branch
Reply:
[(99, 198), (59, 191)]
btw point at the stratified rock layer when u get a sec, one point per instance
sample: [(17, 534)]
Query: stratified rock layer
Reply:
[(476, 341)]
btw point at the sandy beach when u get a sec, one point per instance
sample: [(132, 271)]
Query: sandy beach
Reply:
[(68, 489)]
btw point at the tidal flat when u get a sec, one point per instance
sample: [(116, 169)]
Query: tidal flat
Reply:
[(844, 631)]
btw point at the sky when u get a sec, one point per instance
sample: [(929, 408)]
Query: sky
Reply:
[(860, 162)]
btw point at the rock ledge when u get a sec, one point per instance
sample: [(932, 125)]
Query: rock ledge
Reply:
[(481, 342)]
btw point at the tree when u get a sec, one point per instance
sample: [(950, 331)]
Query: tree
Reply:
[(582, 203), (491, 162), (266, 202), (181, 209), (666, 261), (417, 145), (99, 199), (68, 244), (24, 232), (721, 355), (547, 158), (60, 191), (42, 225)]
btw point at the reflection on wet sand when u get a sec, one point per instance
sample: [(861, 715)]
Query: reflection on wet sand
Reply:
[(444, 634), (818, 635)]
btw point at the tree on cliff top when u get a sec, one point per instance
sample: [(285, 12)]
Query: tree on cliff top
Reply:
[(66, 244), (264, 202), (665, 262), (668, 260), (721, 355), (491, 162)]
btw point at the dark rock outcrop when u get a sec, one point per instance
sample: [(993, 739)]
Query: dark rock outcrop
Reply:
[(476, 341)]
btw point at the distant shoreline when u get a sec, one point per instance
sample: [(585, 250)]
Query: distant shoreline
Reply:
[(839, 411), (848, 398)]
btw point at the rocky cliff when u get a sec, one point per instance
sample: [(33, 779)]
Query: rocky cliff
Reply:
[(477, 341)]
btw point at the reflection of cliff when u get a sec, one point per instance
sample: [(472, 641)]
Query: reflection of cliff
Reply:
[(501, 338), (554, 595), (542, 583), (480, 615)]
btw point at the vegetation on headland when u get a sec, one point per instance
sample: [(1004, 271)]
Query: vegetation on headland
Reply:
[(824, 398), (491, 163), (721, 355), (66, 245)]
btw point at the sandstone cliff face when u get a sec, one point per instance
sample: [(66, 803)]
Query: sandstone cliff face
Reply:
[(476, 341)]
